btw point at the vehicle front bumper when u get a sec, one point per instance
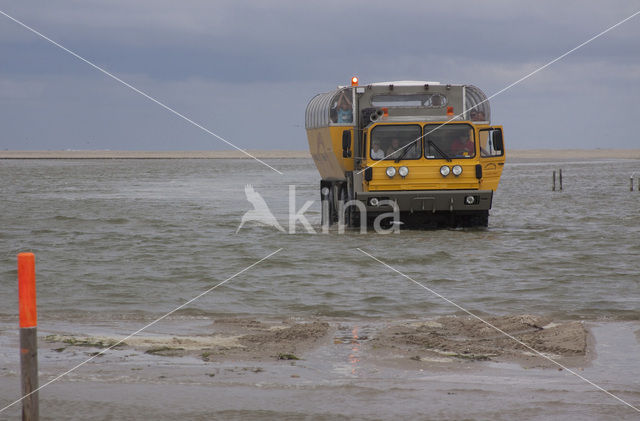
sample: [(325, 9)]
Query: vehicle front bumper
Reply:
[(428, 200)]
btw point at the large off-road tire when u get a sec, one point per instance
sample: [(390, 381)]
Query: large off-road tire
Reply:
[(478, 219)]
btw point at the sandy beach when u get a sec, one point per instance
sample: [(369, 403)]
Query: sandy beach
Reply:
[(515, 155)]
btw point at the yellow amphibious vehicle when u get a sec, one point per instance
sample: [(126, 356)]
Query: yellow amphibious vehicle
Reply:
[(424, 150)]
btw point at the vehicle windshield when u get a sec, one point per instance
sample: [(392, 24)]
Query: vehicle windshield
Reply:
[(390, 142), (449, 141)]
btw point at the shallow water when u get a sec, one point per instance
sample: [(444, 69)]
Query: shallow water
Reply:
[(119, 243), (128, 239)]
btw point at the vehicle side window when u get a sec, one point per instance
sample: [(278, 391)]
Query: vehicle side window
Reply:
[(491, 143), (341, 111)]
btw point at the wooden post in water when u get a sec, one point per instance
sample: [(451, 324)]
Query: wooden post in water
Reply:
[(554, 181), (560, 178), (631, 182), (28, 335)]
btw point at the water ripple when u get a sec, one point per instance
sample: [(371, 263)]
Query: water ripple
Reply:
[(136, 239)]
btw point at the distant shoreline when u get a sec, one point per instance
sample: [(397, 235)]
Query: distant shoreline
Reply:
[(515, 155), (81, 154)]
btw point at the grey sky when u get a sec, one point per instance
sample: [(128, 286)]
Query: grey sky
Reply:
[(246, 70)]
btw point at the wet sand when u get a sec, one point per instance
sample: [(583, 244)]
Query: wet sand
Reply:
[(227, 339), (448, 339), (446, 368), (440, 341), (516, 155), (550, 155)]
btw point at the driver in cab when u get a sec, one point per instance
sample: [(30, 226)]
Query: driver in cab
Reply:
[(463, 146)]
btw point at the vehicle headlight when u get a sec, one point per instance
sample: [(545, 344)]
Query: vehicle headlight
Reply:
[(403, 171), (391, 171), (444, 170), (470, 200), (456, 170), (374, 201)]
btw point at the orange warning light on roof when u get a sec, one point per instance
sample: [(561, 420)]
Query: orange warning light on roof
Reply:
[(449, 110), (385, 112), (354, 81)]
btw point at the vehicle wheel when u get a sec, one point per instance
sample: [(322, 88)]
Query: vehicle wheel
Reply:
[(341, 196), (480, 219), (353, 211)]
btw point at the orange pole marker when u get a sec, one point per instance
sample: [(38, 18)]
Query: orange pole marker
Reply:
[(28, 336), (27, 289)]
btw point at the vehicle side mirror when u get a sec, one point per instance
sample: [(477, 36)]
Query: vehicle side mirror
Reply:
[(346, 144), (496, 137)]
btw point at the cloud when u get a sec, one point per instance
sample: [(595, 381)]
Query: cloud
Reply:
[(247, 69), (279, 40), (93, 112)]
